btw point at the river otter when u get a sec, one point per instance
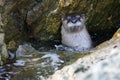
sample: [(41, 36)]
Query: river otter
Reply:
[(74, 33)]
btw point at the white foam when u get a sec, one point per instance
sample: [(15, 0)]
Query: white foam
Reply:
[(36, 59), (19, 63), (53, 60)]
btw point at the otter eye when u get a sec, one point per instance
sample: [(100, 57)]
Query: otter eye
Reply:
[(78, 16), (69, 17)]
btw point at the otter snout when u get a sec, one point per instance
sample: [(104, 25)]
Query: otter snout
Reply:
[(74, 19), (73, 23), (74, 29), (74, 33)]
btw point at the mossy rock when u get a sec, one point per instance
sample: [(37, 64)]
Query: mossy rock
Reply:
[(3, 50), (40, 20)]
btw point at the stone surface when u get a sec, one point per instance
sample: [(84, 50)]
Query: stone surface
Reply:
[(2, 2), (35, 65), (3, 49), (103, 58), (25, 50), (40, 20), (108, 69)]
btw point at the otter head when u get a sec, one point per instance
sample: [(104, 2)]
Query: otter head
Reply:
[(73, 22)]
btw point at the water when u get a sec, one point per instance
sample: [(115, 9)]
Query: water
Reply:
[(34, 65), (5, 72), (31, 64), (31, 67)]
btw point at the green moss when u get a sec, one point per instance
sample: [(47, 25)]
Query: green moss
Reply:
[(52, 24), (70, 57), (44, 20), (29, 74), (3, 59), (74, 57)]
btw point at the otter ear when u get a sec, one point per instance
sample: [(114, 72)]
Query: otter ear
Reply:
[(83, 16), (62, 18)]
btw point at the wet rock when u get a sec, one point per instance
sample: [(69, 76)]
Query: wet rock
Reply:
[(40, 20), (26, 20), (96, 66), (6, 75), (26, 50), (3, 50), (2, 2), (36, 64)]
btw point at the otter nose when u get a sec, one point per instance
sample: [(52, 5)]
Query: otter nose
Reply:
[(74, 20)]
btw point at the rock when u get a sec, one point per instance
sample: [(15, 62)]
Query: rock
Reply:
[(117, 34), (64, 3), (36, 64), (26, 50), (3, 50), (41, 19), (108, 69), (2, 2), (103, 63), (1, 24)]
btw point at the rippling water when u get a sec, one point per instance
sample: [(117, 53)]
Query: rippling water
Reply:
[(35, 67)]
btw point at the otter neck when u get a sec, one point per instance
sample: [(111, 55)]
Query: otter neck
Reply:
[(75, 39), (82, 29)]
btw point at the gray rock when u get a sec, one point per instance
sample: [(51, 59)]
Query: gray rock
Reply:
[(3, 50), (102, 64), (25, 50), (41, 18), (2, 2)]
